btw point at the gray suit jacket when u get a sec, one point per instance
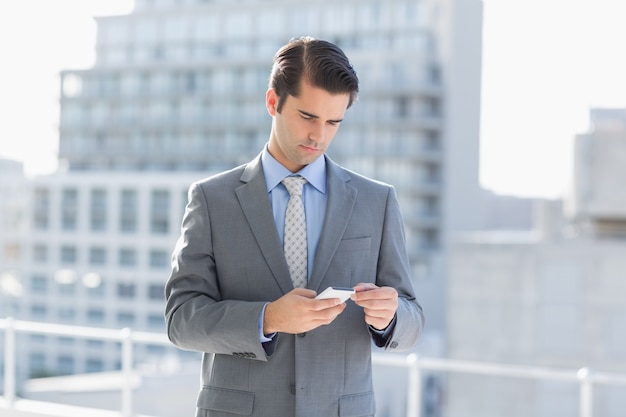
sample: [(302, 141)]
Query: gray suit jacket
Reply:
[(229, 262)]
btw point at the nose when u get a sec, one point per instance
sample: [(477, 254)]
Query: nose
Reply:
[(318, 132)]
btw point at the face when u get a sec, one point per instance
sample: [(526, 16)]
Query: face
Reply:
[(306, 125)]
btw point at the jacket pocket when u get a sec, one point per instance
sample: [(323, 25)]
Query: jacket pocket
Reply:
[(226, 400), (362, 243), (357, 405)]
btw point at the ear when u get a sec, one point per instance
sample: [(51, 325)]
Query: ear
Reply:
[(271, 101)]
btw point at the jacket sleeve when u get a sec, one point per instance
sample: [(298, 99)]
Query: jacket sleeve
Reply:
[(197, 318), (394, 271)]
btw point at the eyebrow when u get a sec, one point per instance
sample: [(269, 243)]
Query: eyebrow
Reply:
[(313, 116)]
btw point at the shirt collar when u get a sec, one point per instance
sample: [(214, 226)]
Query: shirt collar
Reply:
[(274, 171)]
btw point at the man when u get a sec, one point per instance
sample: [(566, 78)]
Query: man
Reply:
[(270, 349)]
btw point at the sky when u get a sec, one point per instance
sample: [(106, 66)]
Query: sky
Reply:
[(546, 63)]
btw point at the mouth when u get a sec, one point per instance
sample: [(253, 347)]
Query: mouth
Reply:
[(310, 149)]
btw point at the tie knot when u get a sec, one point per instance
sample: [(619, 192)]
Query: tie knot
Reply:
[(294, 184)]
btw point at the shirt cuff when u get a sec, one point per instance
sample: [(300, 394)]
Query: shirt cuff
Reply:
[(381, 336), (262, 337)]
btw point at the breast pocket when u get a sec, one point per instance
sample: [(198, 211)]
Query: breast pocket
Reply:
[(353, 262), (362, 243)]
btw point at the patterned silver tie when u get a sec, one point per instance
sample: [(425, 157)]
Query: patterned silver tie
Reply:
[(295, 232)]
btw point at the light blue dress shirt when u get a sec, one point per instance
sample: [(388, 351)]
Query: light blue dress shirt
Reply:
[(313, 198)]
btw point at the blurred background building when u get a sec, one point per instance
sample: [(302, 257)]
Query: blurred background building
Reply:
[(551, 296)]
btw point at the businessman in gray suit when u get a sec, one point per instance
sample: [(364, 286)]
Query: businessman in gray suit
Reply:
[(270, 348)]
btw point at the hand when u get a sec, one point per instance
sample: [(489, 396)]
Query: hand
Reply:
[(379, 304), (298, 311)]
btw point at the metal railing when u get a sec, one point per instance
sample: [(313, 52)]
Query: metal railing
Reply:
[(127, 337), (412, 363)]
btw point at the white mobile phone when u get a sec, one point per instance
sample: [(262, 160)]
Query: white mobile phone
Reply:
[(336, 292)]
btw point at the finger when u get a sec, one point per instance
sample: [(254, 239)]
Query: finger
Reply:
[(379, 321), (303, 292), (381, 293), (365, 286), (325, 304)]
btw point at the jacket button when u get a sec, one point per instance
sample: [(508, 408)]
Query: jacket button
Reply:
[(393, 345), (301, 334), (293, 389)]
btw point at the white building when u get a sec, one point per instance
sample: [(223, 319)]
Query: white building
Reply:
[(95, 253), (551, 297)]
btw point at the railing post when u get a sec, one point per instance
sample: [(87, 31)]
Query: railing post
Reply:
[(127, 372), (10, 368), (586, 392), (414, 389)]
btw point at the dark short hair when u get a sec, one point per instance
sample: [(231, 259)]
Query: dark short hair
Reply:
[(321, 63)]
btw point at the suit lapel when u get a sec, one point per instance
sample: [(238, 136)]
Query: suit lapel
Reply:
[(339, 206), (254, 202)]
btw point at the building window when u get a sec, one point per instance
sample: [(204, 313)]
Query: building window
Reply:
[(127, 257), (38, 312), (433, 173), (41, 208), (37, 364), (156, 322), (159, 211), (69, 209), (158, 259), (128, 211), (431, 239), (95, 344), (125, 290), (97, 256), (40, 253), (68, 255), (95, 317), (67, 288), (66, 314), (98, 209), (66, 341), (433, 107), (94, 365), (39, 284), (96, 291), (401, 107), (434, 74), (432, 141), (65, 365), (126, 319), (156, 292)]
